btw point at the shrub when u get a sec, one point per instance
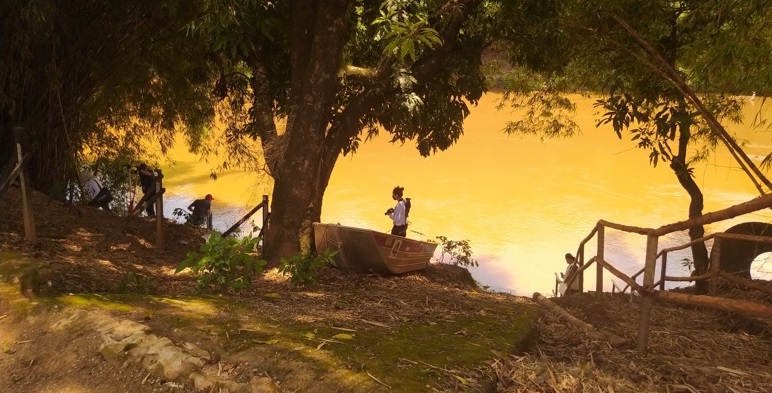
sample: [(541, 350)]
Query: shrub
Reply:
[(459, 252), (224, 262), (302, 267)]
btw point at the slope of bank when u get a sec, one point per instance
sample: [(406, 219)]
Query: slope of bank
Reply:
[(112, 316), (350, 333)]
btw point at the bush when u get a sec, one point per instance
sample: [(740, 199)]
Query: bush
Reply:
[(302, 267), (224, 262), (458, 251)]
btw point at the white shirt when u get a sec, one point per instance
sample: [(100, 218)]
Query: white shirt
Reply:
[(93, 188), (572, 268), (399, 213)]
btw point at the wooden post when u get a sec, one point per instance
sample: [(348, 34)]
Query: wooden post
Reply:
[(663, 272), (209, 220), (159, 210), (580, 259), (29, 220), (714, 266), (648, 301), (600, 258)]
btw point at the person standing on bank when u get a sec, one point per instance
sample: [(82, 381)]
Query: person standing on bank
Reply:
[(200, 208), (570, 275), (398, 213), (147, 182)]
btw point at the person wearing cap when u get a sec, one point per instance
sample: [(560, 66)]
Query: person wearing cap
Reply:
[(200, 208)]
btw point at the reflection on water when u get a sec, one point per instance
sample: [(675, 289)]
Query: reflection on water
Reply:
[(521, 202)]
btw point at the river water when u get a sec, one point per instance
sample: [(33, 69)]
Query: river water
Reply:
[(521, 202)]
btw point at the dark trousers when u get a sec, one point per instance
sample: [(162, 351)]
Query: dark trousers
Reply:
[(150, 209), (399, 230), (99, 202)]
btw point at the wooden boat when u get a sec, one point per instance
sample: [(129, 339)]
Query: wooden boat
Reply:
[(363, 250)]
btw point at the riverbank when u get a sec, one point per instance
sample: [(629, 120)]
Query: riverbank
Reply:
[(115, 317), (350, 333)]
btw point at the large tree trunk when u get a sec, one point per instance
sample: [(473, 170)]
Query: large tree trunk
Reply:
[(318, 33), (678, 164)]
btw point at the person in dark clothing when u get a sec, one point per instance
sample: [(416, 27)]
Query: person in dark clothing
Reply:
[(147, 182), (200, 208)]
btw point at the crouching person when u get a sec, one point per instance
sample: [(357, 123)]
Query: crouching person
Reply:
[(99, 194), (200, 211)]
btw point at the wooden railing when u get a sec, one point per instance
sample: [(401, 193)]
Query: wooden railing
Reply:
[(19, 171), (266, 216), (648, 288)]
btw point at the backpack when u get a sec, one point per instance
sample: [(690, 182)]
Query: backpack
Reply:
[(407, 207)]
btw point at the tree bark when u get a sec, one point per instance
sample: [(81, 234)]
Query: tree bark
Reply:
[(319, 32), (696, 205)]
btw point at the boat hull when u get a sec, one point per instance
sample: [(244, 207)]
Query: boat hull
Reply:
[(363, 250)]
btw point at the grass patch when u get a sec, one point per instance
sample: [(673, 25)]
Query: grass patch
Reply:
[(94, 300)]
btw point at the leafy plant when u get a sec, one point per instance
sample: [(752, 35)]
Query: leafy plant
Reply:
[(302, 267), (131, 277), (224, 262), (459, 252)]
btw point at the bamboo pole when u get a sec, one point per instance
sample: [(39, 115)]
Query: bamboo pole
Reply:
[(745, 283), (634, 276), (30, 234), (629, 281), (690, 278), (663, 272), (730, 305), (715, 261), (246, 217), (739, 236), (753, 205), (14, 173), (685, 245), (580, 271), (648, 302), (626, 228), (585, 327), (159, 210), (600, 260)]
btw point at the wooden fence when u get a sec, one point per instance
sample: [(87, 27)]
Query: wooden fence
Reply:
[(19, 171), (651, 290)]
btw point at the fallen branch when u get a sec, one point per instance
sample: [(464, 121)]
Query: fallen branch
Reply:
[(376, 324), (343, 329), (590, 330), (731, 305), (377, 380)]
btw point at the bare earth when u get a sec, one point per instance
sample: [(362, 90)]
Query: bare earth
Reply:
[(351, 333)]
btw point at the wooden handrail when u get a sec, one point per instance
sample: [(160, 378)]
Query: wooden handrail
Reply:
[(753, 205), (246, 217), (14, 173), (630, 282), (690, 278), (626, 228)]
